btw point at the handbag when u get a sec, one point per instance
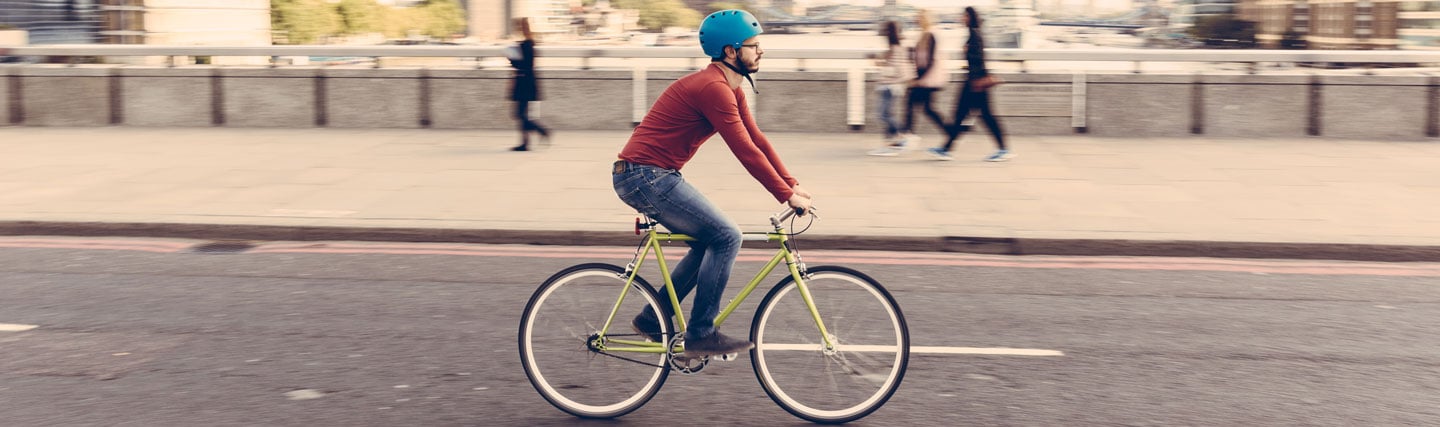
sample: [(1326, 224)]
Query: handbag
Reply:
[(985, 83)]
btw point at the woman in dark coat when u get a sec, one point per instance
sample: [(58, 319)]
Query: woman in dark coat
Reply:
[(974, 95), (525, 88)]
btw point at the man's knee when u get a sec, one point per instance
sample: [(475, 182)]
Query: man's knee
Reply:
[(729, 237)]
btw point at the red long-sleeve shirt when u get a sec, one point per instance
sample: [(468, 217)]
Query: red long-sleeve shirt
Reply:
[(692, 110)]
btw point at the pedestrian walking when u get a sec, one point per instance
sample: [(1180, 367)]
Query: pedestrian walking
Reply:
[(931, 76), (974, 96), (896, 72), (525, 87)]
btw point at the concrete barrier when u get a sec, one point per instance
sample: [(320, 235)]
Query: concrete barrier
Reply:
[(270, 97), (1251, 106), (1145, 105), (1034, 104), (470, 99), (801, 101), (8, 115), (1395, 107), (57, 95), (160, 96), (574, 99), (372, 98), (1106, 104)]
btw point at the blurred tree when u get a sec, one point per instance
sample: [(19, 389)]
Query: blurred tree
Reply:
[(304, 21), (398, 20), (725, 5), (658, 14), (442, 18), (361, 16), (1224, 30)]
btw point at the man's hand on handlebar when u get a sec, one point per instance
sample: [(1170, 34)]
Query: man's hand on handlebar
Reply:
[(801, 191), (800, 203)]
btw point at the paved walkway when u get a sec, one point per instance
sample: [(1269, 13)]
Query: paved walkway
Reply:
[(1075, 189)]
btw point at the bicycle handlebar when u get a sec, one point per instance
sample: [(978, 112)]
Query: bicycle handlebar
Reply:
[(777, 218)]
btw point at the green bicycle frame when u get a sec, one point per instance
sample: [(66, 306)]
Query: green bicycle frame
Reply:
[(652, 243)]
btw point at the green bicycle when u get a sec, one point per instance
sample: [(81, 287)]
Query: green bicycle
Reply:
[(831, 344)]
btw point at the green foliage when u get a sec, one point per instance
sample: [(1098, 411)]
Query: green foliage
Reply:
[(658, 14), (308, 21), (726, 5), (1224, 30), (399, 21), (361, 16), (442, 18), (304, 21)]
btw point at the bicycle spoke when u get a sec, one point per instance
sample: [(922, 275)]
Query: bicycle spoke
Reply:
[(843, 383), (562, 319)]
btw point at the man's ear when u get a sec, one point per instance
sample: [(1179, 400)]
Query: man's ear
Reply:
[(731, 53)]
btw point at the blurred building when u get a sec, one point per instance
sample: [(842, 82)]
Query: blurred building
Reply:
[(487, 19), (601, 19), (1339, 24), (546, 16), (1417, 25), (54, 21), (1186, 12), (490, 19), (186, 22)]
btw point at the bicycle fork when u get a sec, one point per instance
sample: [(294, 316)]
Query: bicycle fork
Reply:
[(800, 273)]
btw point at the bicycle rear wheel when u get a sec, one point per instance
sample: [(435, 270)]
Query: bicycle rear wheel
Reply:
[(843, 384), (567, 360)]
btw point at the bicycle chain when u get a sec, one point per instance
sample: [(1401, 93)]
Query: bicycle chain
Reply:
[(629, 359)]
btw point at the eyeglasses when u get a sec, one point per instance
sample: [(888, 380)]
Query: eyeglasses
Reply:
[(756, 46)]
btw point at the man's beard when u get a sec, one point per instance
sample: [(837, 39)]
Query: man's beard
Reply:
[(752, 67)]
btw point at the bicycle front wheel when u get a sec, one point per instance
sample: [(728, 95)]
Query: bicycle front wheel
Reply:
[(863, 366), (571, 363)]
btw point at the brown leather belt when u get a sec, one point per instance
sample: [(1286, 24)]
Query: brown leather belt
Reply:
[(622, 166)]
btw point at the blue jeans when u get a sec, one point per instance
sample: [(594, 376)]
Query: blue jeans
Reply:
[(887, 108), (663, 195)]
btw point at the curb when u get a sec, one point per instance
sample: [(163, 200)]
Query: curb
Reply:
[(976, 245)]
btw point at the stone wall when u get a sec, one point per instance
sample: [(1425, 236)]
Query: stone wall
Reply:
[(1107, 104)]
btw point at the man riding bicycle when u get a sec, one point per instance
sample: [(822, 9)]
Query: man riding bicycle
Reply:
[(647, 175)]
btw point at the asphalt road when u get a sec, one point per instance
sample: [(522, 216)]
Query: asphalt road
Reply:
[(150, 332)]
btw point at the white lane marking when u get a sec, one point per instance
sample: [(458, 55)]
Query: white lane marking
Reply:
[(304, 394), (998, 351), (14, 327)]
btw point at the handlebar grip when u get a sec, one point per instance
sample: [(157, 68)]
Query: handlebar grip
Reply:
[(787, 213)]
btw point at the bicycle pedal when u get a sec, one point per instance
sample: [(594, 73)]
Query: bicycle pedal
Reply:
[(727, 357)]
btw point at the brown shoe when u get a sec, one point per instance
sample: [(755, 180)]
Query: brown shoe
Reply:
[(715, 344), (650, 329)]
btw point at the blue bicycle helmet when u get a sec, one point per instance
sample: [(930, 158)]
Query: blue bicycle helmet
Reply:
[(727, 28)]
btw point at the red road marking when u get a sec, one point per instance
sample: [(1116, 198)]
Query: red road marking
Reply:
[(621, 254), (99, 244), (1307, 267)]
